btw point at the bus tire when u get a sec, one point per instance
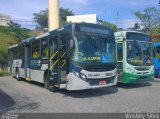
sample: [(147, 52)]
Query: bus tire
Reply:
[(46, 84), (17, 75), (45, 78), (53, 88)]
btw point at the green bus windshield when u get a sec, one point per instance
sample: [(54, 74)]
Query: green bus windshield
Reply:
[(139, 53)]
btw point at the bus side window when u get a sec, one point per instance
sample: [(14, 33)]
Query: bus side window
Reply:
[(21, 52), (15, 51), (45, 48), (36, 49), (119, 51), (53, 44)]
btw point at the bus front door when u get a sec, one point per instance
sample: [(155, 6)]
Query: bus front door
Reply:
[(27, 61), (120, 58), (58, 60), (62, 64)]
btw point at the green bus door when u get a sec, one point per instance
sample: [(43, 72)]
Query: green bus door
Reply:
[(120, 58)]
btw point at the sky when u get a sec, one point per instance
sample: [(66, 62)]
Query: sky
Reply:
[(105, 9)]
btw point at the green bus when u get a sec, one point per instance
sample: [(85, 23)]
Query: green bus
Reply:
[(134, 55)]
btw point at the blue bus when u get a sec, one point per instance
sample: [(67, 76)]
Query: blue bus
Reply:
[(73, 57), (157, 58)]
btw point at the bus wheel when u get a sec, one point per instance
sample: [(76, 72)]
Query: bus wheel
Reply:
[(53, 88), (46, 84), (17, 75)]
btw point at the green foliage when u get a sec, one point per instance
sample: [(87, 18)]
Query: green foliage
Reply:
[(10, 35), (4, 74), (110, 25), (3, 55), (63, 15), (5, 41), (150, 17), (17, 33), (136, 26), (42, 17)]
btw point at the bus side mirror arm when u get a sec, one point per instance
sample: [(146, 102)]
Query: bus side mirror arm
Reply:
[(71, 45), (70, 48)]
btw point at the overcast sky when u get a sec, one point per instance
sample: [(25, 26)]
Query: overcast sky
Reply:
[(105, 9)]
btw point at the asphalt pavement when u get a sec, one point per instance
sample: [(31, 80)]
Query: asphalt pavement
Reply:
[(30, 97)]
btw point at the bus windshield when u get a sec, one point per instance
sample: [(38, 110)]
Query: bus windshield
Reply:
[(93, 48), (139, 53)]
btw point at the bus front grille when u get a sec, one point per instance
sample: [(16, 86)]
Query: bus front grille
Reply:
[(93, 82)]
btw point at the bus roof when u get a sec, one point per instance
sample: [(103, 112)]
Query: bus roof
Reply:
[(123, 33), (34, 38), (27, 40), (13, 46)]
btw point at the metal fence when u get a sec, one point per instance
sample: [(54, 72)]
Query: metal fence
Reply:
[(29, 24)]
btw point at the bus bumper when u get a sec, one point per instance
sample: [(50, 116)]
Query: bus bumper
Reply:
[(75, 83), (132, 78)]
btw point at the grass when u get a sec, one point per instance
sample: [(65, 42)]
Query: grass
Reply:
[(8, 39), (2, 74), (5, 40)]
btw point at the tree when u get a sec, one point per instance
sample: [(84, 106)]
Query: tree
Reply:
[(150, 18), (42, 17), (17, 33), (136, 26), (110, 25), (3, 55), (63, 15)]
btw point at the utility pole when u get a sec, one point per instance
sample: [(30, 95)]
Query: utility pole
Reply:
[(53, 14), (117, 19), (105, 14)]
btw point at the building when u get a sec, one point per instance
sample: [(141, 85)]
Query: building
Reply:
[(4, 19), (88, 18)]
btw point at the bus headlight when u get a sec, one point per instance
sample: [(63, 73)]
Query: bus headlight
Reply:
[(131, 70), (76, 73), (115, 73), (82, 76)]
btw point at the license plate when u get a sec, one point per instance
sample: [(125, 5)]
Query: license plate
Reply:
[(102, 82)]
